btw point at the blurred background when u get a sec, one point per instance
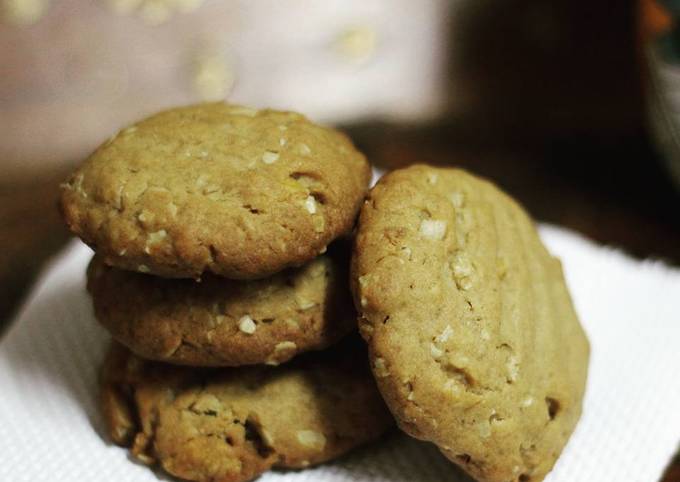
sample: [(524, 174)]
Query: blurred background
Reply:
[(572, 107)]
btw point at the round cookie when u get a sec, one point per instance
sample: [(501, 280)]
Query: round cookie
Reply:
[(221, 322), (472, 335), (230, 425), (216, 188)]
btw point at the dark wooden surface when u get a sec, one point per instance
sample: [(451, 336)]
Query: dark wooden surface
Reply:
[(30, 232), (614, 191)]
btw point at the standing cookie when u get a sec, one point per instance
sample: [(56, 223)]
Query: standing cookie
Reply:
[(230, 425), (473, 338), (221, 322), (216, 188)]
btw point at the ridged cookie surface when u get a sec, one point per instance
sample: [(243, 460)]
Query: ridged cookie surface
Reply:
[(216, 188), (230, 425), (473, 338), (221, 322)]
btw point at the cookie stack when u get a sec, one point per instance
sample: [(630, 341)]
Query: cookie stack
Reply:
[(220, 269)]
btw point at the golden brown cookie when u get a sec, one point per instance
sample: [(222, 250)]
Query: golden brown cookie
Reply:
[(473, 338), (221, 322), (216, 188), (232, 424)]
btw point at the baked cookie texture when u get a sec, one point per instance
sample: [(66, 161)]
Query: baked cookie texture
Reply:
[(230, 425), (473, 338), (221, 322), (216, 188)]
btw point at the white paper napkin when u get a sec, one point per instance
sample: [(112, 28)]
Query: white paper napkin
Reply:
[(51, 430)]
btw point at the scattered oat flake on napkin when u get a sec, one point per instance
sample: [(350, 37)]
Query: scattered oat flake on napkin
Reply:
[(51, 430)]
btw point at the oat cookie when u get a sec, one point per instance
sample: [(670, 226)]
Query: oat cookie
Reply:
[(473, 338), (221, 322), (216, 188), (232, 424)]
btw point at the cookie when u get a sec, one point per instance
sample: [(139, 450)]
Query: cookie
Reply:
[(232, 424), (221, 322), (472, 335), (216, 188)]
